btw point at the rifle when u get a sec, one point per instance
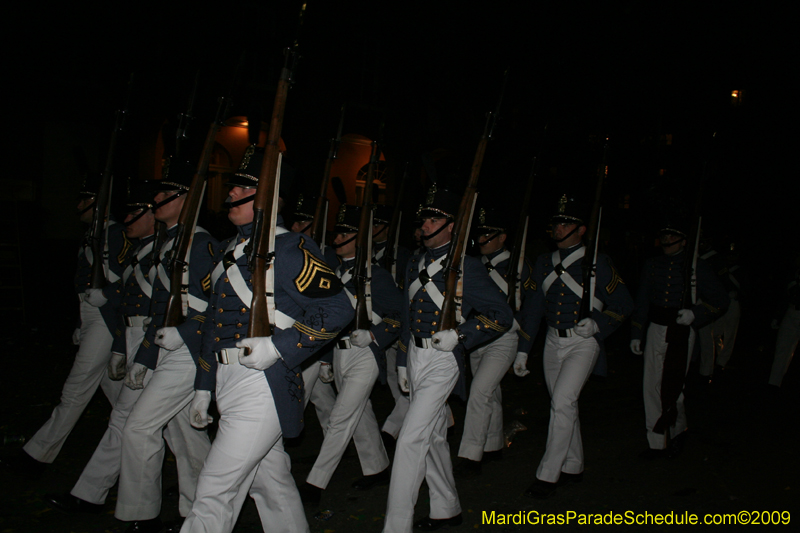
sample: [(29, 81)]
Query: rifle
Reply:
[(458, 240), (393, 234), (179, 255), (185, 119), (321, 211), (362, 270), (102, 204), (260, 251), (690, 264), (589, 261), (517, 259)]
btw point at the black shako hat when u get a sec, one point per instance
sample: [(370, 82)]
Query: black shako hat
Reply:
[(570, 210), (90, 185), (176, 176), (348, 219), (140, 195), (250, 170), (305, 208), (440, 203), (382, 214), (491, 220)]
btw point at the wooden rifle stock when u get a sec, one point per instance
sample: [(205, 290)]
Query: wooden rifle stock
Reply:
[(259, 250), (590, 257), (319, 223), (458, 238), (179, 255), (102, 204), (393, 236), (361, 268), (518, 248)]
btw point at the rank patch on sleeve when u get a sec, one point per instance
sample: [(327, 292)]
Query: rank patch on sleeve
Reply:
[(615, 280), (316, 279)]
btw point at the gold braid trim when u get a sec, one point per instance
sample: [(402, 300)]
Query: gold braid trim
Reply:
[(402, 347), (146, 343), (636, 324), (616, 279), (126, 245), (204, 365), (206, 283), (711, 308), (613, 315), (523, 334), (311, 266), (489, 324), (324, 335), (199, 318), (393, 323)]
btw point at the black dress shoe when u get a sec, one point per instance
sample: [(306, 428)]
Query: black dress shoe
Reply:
[(154, 525), (489, 457), (22, 464), (310, 494), (72, 504), (541, 490), (367, 482), (676, 445), (467, 469), (432, 524)]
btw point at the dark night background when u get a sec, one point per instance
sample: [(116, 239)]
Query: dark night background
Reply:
[(654, 77)]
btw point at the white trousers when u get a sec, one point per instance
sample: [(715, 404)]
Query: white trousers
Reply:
[(102, 471), (394, 421), (718, 338), (88, 371), (355, 372), (422, 451), (568, 362), (320, 394), (163, 402), (785, 345), (483, 424), (654, 352), (247, 455)]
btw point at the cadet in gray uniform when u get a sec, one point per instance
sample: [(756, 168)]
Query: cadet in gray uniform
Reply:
[(668, 347), (483, 425), (98, 319), (163, 367), (572, 345), (358, 361), (430, 363), (260, 395)]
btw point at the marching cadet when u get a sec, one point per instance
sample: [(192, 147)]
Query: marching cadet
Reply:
[(430, 364), (358, 361), (317, 391), (135, 287), (98, 319), (788, 330), (380, 238), (163, 368), (668, 347), (483, 425), (572, 345), (259, 395), (717, 339)]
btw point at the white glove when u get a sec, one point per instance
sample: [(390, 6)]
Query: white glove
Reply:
[(76, 337), (326, 372), (445, 341), (94, 297), (586, 328), (685, 317), (117, 366), (402, 378), (134, 379), (361, 338), (521, 365), (169, 339), (146, 322), (263, 353), (198, 411), (636, 346)]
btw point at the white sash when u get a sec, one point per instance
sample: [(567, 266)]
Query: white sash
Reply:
[(187, 299), (137, 271), (493, 273), (347, 276), (87, 251), (567, 278)]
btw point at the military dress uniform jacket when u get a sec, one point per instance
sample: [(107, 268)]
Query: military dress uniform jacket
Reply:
[(660, 294), (201, 257), (559, 303), (312, 310), (387, 306), (403, 255), (491, 315), (118, 248), (134, 289), (496, 265)]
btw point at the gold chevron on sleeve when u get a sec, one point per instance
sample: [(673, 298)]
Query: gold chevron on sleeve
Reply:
[(199, 318), (615, 316), (146, 343), (311, 332), (530, 284), (616, 279), (204, 365), (489, 324), (402, 347), (523, 334), (210, 249), (312, 266), (126, 245), (207, 282)]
